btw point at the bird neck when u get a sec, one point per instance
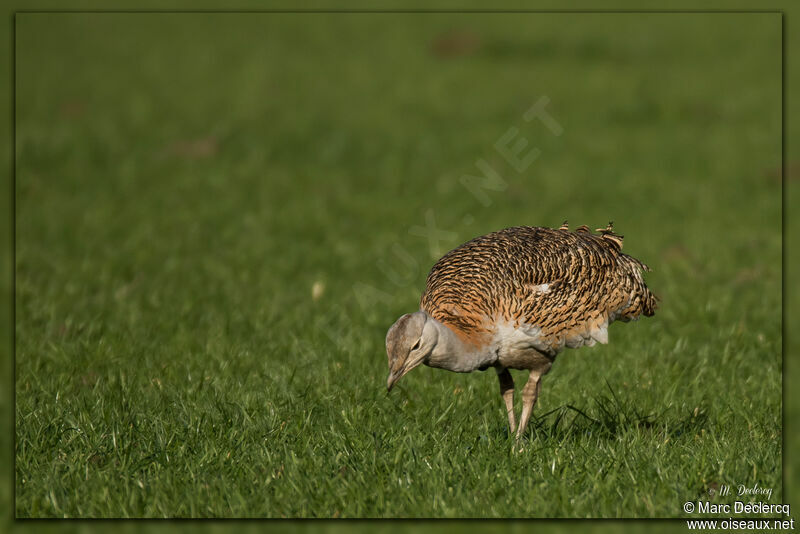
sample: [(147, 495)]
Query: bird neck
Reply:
[(454, 354)]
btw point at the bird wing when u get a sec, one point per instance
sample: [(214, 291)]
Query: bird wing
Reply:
[(564, 286)]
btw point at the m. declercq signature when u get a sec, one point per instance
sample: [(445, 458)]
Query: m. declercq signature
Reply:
[(743, 490)]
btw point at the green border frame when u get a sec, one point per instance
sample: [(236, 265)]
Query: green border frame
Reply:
[(791, 225)]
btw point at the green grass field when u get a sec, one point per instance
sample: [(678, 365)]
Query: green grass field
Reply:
[(215, 226)]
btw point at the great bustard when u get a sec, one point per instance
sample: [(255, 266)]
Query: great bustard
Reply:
[(514, 299)]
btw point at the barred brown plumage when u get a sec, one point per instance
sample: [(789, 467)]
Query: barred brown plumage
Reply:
[(514, 299), (494, 276)]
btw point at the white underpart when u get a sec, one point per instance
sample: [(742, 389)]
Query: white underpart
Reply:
[(509, 338), (589, 337), (600, 334)]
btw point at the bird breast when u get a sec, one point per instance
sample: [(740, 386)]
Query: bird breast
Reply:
[(520, 346)]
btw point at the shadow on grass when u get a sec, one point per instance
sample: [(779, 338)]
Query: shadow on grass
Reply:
[(611, 416)]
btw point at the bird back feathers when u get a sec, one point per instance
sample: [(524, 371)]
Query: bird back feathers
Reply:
[(568, 284)]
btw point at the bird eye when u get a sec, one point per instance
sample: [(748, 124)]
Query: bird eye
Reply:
[(416, 346)]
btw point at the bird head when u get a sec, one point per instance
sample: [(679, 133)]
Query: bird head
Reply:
[(408, 344)]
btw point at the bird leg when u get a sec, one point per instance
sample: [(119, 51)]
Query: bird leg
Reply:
[(529, 395), (507, 391)]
